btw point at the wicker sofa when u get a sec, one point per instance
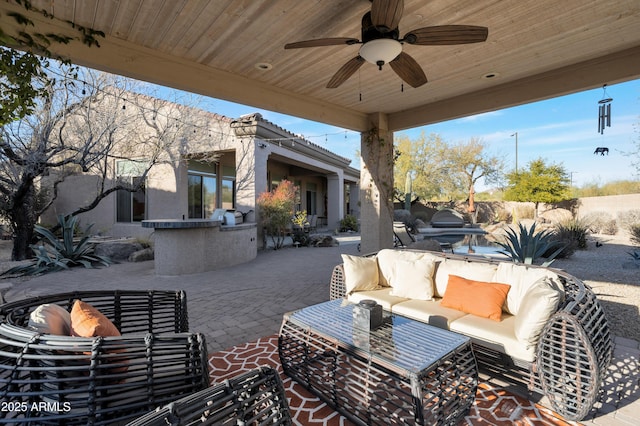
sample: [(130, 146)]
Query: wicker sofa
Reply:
[(58, 379), (551, 333)]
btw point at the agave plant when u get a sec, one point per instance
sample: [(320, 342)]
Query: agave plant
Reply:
[(527, 245), (55, 254)]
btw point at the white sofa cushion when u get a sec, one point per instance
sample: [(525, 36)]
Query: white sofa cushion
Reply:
[(50, 318), (413, 279), (387, 259), (539, 303), (470, 270), (521, 278), (360, 273), (382, 296), (429, 311), (495, 335)]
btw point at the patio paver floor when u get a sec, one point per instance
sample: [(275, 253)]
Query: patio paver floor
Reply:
[(244, 303)]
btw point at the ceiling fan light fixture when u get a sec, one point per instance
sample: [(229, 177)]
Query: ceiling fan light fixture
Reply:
[(380, 51)]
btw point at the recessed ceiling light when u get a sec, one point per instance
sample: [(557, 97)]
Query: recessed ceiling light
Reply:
[(490, 75), (263, 66)]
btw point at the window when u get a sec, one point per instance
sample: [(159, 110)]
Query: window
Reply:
[(312, 198), (228, 189), (131, 205), (202, 181), (298, 202), (202, 195)]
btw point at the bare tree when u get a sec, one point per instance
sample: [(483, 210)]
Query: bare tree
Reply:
[(83, 125), (468, 162), (43, 143)]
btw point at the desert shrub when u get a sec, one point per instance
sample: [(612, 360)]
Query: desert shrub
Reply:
[(634, 230), (628, 218), (572, 234), (501, 215), (401, 215), (524, 212), (600, 222), (276, 209), (55, 253), (405, 217), (349, 223)]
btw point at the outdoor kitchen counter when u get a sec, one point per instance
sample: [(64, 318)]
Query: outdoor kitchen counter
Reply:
[(200, 245)]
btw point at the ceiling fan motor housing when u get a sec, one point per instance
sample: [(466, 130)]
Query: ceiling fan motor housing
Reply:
[(370, 32)]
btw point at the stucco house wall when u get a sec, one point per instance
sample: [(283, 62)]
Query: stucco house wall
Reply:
[(260, 152)]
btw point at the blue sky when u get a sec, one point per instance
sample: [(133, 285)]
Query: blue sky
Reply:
[(561, 130)]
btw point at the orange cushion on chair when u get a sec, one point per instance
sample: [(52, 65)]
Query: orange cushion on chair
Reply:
[(480, 298), (87, 321)]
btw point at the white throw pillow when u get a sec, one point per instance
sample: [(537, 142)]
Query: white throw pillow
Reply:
[(50, 319), (360, 273), (387, 259), (413, 279), (539, 303)]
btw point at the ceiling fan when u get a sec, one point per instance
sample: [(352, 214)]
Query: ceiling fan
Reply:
[(381, 43)]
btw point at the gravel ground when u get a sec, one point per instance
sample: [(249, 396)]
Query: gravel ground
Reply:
[(608, 270)]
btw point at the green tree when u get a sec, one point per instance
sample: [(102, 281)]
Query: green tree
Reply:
[(468, 162), (422, 158), (540, 183)]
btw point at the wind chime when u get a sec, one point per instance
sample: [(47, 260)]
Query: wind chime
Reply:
[(604, 110), (604, 118)]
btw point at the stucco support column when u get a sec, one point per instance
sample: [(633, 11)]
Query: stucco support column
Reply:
[(335, 200), (376, 186), (251, 176), (354, 200)]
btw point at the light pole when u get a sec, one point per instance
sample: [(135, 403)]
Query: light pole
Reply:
[(571, 179), (516, 135)]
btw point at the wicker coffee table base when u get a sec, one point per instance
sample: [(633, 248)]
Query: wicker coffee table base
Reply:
[(369, 393)]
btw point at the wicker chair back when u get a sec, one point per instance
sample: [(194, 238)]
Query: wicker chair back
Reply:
[(50, 379), (253, 398)]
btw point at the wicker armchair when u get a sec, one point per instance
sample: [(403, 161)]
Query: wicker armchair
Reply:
[(51, 379), (253, 398), (572, 355)]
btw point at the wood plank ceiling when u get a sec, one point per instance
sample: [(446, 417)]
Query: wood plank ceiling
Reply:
[(536, 49)]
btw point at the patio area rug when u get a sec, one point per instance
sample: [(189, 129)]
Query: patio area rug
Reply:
[(493, 406)]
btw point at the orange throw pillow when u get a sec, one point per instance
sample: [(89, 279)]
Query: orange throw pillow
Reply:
[(479, 298), (87, 321)]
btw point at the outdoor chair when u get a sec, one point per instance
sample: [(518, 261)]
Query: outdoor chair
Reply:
[(313, 222), (99, 380), (401, 235), (256, 397)]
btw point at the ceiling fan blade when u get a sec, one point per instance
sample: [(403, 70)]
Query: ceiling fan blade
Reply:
[(386, 14), (408, 70), (345, 72), (447, 34), (335, 41)]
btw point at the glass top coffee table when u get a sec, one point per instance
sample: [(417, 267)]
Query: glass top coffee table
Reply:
[(403, 372)]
